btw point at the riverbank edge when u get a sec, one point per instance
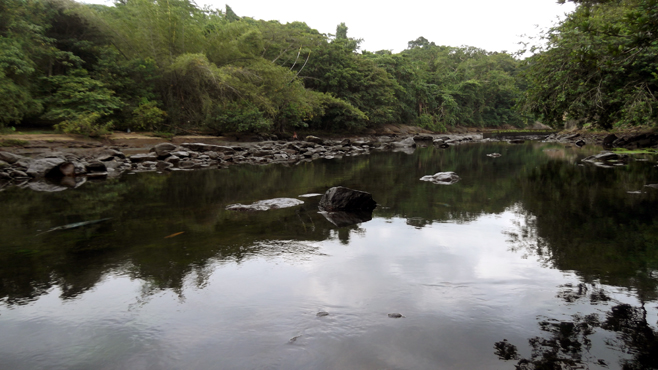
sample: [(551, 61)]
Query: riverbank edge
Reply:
[(121, 153), (66, 161)]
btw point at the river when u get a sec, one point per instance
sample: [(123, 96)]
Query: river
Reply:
[(532, 258)]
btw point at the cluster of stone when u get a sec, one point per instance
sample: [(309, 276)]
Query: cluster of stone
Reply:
[(72, 170), (628, 141)]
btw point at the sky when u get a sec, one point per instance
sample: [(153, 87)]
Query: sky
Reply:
[(486, 24)]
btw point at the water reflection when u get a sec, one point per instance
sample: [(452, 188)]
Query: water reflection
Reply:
[(568, 343), (192, 285)]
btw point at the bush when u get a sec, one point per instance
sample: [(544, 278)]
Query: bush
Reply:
[(238, 118), (85, 124), (147, 116), (428, 122)]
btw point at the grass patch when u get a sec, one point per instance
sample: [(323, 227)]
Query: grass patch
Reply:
[(635, 151), (13, 142), (36, 132), (164, 135), (529, 132)]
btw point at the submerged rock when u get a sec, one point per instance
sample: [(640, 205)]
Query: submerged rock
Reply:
[(265, 205), (340, 198), (442, 178)]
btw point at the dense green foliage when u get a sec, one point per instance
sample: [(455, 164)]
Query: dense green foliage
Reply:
[(599, 66), (171, 66)]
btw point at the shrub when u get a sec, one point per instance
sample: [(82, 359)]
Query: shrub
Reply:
[(148, 116), (85, 124)]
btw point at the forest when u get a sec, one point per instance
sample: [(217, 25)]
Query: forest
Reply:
[(171, 66)]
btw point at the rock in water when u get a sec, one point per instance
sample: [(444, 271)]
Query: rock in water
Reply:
[(314, 139), (340, 198), (419, 138), (607, 159), (608, 140), (45, 167), (442, 178), (310, 195), (265, 205)]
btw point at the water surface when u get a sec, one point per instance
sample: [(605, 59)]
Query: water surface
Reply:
[(558, 259)]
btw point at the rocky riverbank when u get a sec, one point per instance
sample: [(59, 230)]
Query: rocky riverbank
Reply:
[(59, 167), (57, 170), (627, 140)]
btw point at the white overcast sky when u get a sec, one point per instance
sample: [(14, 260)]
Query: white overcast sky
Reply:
[(493, 25)]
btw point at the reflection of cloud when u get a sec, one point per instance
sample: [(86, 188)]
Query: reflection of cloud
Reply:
[(459, 287), (437, 265)]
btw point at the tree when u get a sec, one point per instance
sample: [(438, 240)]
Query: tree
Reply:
[(598, 66)]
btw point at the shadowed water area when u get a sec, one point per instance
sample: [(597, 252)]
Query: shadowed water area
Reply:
[(531, 259)]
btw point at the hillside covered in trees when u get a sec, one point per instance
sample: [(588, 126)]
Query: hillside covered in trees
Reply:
[(172, 66)]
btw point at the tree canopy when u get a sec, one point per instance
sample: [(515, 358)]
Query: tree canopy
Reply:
[(172, 66), (598, 66)]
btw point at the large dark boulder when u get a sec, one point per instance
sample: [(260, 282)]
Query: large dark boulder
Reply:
[(421, 138), (608, 140), (340, 198), (644, 140)]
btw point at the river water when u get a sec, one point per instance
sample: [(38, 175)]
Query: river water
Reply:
[(532, 259)]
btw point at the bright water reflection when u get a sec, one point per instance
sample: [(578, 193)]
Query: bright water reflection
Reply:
[(467, 265)]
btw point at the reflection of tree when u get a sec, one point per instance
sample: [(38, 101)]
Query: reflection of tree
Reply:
[(568, 345), (581, 218), (635, 336), (565, 346), (147, 207)]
